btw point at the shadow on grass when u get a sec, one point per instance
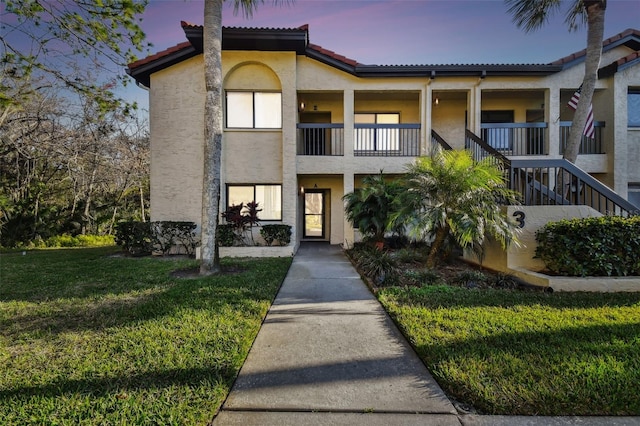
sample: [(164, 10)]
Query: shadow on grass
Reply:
[(581, 370), (132, 290), (457, 297), (109, 385)]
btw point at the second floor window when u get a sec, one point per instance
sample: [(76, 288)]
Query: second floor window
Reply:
[(254, 110)]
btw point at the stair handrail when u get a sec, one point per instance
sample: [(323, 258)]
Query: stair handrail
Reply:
[(440, 140), (469, 135), (603, 190)]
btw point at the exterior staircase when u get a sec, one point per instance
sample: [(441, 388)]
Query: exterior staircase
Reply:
[(552, 181)]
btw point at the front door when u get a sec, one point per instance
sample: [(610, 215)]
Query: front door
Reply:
[(314, 214)]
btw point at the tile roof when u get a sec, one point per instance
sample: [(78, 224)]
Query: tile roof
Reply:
[(332, 54), (297, 40), (159, 55), (611, 41)]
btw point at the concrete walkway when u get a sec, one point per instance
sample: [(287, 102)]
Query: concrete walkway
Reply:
[(328, 354)]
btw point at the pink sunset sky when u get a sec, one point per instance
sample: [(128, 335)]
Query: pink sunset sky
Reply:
[(398, 31)]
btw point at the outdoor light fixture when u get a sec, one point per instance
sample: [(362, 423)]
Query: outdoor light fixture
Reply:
[(436, 101), (301, 108)]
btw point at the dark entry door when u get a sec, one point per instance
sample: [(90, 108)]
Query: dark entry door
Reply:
[(314, 214)]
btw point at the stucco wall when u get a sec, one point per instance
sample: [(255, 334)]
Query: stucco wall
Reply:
[(522, 256), (176, 112)]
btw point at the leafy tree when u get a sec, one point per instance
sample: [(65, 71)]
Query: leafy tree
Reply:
[(533, 14), (56, 38), (451, 195), (370, 207), (212, 51)]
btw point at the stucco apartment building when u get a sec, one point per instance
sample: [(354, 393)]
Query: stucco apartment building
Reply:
[(304, 125)]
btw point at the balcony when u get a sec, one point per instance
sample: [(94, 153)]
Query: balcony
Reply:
[(386, 140), (588, 145), (370, 140), (516, 138), (321, 139)]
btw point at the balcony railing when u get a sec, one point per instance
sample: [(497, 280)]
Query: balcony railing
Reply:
[(588, 145), (386, 140), (321, 139), (515, 138)]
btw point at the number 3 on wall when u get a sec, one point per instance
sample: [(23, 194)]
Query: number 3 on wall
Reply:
[(519, 215)]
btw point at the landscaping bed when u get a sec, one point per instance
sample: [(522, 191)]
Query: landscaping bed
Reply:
[(499, 347), (89, 338)]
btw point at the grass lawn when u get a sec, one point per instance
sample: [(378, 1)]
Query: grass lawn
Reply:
[(88, 338), (529, 353)]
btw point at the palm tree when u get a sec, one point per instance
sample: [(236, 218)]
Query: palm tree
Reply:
[(533, 14), (370, 208), (212, 52), (451, 195)]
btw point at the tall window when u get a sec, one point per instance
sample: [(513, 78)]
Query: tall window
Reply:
[(268, 197), (254, 110), (633, 107), (372, 135)]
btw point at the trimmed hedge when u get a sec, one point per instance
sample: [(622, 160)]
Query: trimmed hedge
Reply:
[(602, 246), (280, 233), (142, 238)]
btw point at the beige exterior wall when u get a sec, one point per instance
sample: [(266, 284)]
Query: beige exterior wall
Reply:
[(270, 156), (176, 113), (522, 256)]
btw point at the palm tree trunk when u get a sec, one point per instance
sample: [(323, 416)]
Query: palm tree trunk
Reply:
[(212, 42), (436, 246), (595, 31)]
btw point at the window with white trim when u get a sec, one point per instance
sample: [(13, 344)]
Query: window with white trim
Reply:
[(268, 197), (253, 110)]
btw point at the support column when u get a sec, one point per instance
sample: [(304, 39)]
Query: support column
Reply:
[(349, 235), (475, 108), (426, 95), (552, 117), (348, 119)]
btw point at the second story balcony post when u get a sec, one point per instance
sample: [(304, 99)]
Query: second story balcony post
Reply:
[(348, 120), (552, 114)]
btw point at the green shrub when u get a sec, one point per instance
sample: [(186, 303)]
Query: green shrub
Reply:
[(225, 235), (169, 234), (602, 246), (280, 233), (377, 264), (135, 237), (422, 277), (66, 240), (410, 255), (470, 278)]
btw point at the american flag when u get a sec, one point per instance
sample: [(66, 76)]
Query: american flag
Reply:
[(589, 130)]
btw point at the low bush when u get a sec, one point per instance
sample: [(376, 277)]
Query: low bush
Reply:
[(225, 235), (142, 238), (376, 264), (280, 233), (66, 240), (169, 234), (602, 246), (470, 278), (422, 277), (135, 237)]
